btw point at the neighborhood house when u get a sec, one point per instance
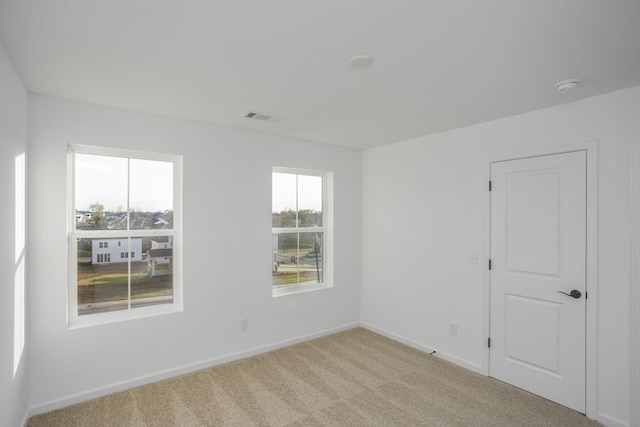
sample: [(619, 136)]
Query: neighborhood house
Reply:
[(159, 256), (107, 251)]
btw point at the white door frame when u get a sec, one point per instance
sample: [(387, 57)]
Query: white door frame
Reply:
[(591, 149), (635, 282)]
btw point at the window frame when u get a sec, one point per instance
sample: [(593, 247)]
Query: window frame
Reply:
[(326, 229), (77, 321)]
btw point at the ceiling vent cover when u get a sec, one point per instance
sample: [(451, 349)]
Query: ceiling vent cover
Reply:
[(259, 116)]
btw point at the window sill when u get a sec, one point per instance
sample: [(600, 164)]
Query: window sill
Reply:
[(292, 290), (122, 315)]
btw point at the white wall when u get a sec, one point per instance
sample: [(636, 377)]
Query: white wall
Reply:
[(425, 208), (423, 211), (13, 142), (635, 283), (227, 247)]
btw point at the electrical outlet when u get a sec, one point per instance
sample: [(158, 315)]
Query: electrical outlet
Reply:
[(453, 329), (244, 325)]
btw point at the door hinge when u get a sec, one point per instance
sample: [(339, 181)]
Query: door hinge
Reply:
[(489, 264), (489, 185), (489, 342)]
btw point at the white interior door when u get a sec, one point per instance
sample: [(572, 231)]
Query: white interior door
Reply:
[(538, 251)]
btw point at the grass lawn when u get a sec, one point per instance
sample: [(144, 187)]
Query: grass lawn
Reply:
[(304, 274), (96, 286)]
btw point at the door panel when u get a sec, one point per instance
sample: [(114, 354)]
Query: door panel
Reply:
[(538, 248), (532, 222), (534, 344)]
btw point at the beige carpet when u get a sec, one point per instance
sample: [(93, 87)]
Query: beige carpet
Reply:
[(352, 378)]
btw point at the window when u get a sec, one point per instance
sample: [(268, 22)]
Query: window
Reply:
[(300, 231), (127, 201), (103, 258)]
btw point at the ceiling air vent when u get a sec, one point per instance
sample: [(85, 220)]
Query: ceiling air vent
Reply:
[(263, 117)]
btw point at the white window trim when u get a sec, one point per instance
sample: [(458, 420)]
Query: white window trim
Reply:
[(326, 229), (73, 319)]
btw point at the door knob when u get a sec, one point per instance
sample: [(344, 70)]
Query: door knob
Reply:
[(574, 293)]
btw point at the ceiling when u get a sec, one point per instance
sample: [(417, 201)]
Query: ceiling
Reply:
[(437, 64)]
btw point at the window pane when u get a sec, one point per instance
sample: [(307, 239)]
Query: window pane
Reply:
[(100, 192), (309, 201), (151, 194), (283, 202), (285, 254), (310, 257), (152, 273), (102, 277), (297, 258)]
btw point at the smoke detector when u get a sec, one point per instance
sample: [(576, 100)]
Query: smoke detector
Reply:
[(565, 86), (262, 117)]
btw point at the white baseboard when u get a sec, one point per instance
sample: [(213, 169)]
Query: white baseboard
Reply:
[(25, 419), (62, 402), (411, 343), (609, 421)]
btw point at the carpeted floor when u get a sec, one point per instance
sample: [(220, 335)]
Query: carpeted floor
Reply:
[(352, 378)]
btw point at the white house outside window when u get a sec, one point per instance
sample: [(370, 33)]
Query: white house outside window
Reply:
[(123, 205), (301, 237)]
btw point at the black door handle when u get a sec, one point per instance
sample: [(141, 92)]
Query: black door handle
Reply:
[(574, 293)]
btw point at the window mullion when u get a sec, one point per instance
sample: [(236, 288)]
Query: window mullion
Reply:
[(298, 258), (128, 194), (129, 237), (297, 203), (114, 234), (297, 227), (129, 271), (285, 230)]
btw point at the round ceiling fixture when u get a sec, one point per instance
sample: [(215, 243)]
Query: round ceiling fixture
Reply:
[(360, 61), (564, 86)]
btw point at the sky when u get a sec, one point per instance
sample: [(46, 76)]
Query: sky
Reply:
[(309, 190), (103, 179)]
